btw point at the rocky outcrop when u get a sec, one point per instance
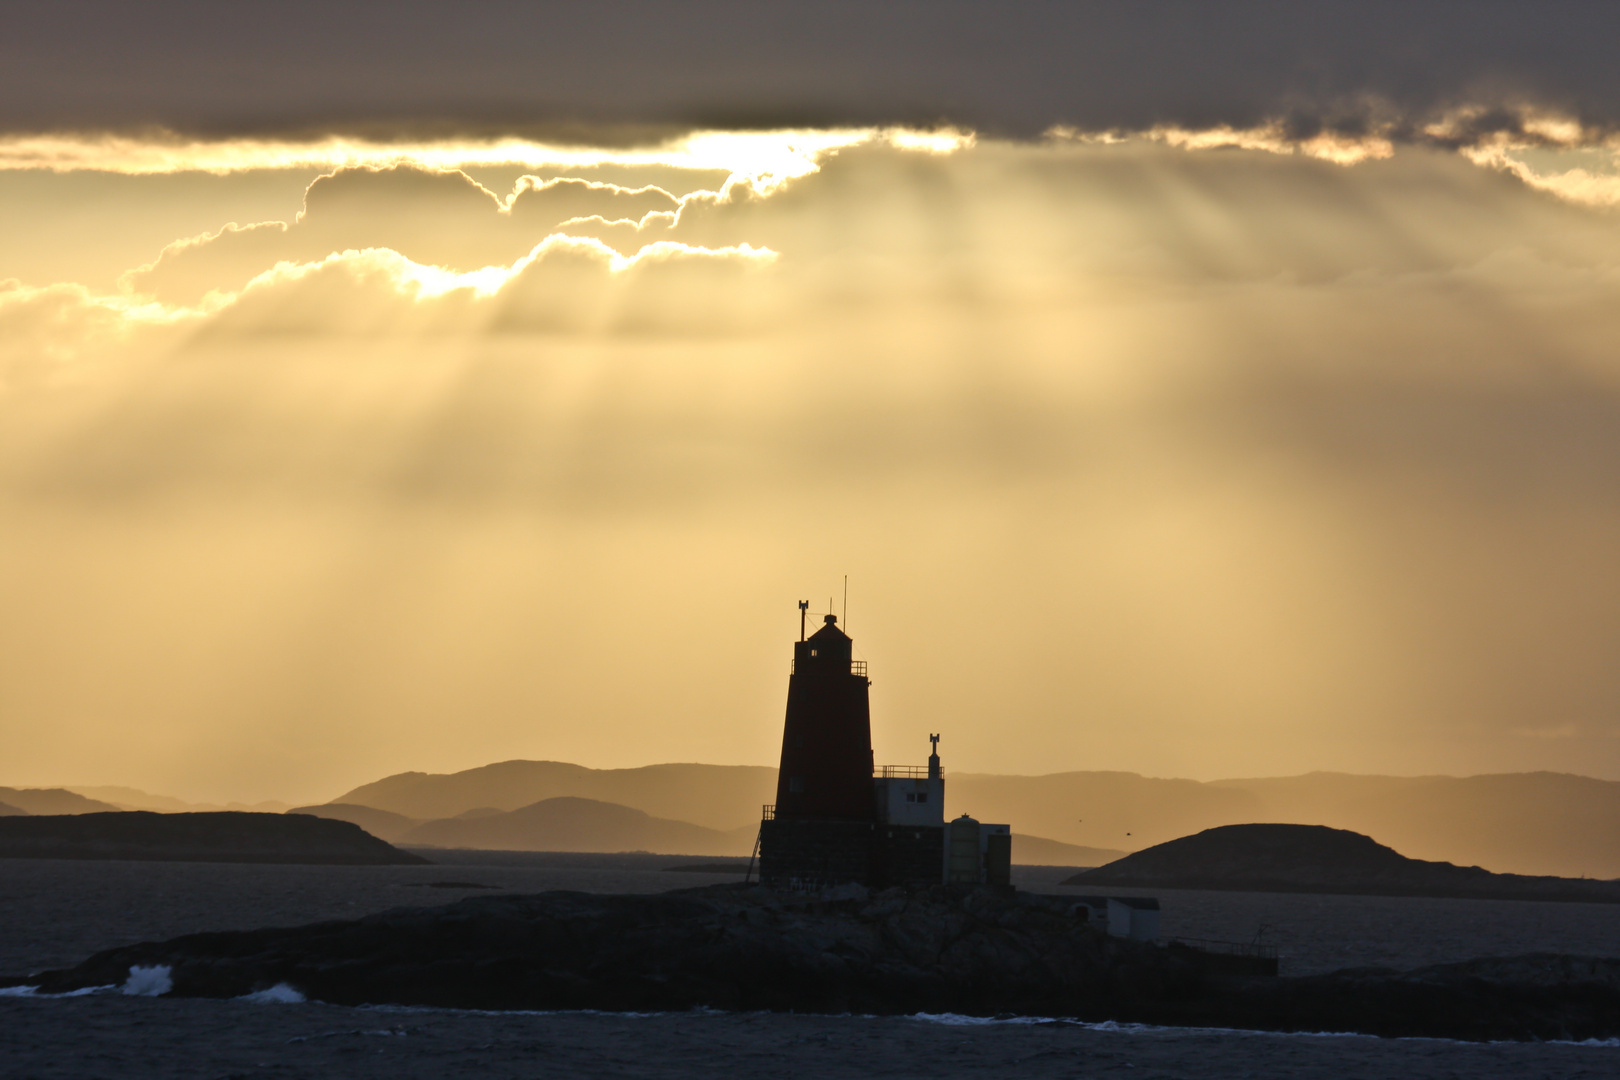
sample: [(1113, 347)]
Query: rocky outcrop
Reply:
[(226, 836), (1314, 858), (748, 948)]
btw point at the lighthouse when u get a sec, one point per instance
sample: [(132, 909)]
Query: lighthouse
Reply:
[(837, 818), (826, 769)]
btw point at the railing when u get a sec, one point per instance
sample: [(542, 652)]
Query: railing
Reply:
[(856, 667), (903, 772), (768, 812)]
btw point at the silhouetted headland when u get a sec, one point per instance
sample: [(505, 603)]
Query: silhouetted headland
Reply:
[(226, 836), (972, 950), (1317, 859)]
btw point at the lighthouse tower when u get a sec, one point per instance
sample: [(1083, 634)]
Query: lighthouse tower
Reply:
[(826, 770), (822, 828), (836, 818)]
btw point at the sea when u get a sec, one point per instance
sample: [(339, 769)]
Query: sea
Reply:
[(54, 913)]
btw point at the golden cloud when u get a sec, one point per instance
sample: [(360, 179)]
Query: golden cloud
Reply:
[(1277, 424)]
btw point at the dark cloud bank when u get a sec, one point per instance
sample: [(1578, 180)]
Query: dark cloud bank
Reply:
[(1007, 68)]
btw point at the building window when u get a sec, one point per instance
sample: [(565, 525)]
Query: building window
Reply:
[(911, 798), (812, 652), (796, 784), (922, 796)]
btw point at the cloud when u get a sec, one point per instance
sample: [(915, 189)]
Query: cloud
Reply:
[(45, 331), (1003, 69), (563, 285), (1324, 453), (433, 217), (760, 158)]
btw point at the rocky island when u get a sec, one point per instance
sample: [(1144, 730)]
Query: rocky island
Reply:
[(899, 951), (226, 836), (1317, 859)]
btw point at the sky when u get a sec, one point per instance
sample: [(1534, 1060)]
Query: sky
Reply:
[(1193, 390)]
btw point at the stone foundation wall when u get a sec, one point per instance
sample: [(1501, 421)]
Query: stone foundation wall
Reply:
[(807, 853)]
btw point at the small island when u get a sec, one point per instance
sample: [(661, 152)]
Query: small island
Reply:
[(225, 836), (973, 950), (1317, 859)]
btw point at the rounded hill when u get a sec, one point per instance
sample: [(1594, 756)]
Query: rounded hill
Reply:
[(1315, 858), (224, 836)]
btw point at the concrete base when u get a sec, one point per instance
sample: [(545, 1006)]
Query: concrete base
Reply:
[(809, 853)]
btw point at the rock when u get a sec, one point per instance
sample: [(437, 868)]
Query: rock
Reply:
[(740, 947)]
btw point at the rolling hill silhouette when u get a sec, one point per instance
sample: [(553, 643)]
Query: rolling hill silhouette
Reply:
[(569, 823), (1030, 850), (53, 801), (1316, 859), (1529, 823), (383, 824), (720, 797), (622, 828)]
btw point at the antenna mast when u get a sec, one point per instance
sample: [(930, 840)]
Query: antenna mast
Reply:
[(804, 606)]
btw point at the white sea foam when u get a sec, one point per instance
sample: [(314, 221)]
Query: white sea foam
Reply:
[(961, 1020), (279, 994), (17, 991), (149, 981)]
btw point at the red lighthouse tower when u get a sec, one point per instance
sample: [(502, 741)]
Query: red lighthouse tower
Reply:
[(823, 828), (826, 769), (837, 819)]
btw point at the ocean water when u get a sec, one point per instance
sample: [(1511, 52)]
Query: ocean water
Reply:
[(54, 913), (135, 1038)]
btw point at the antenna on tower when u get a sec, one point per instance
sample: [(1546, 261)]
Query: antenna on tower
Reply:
[(804, 606)]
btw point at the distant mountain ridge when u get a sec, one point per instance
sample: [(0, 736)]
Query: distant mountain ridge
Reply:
[(569, 823), (128, 798), (720, 797), (50, 801), (1527, 823), (383, 824), (1317, 859)]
